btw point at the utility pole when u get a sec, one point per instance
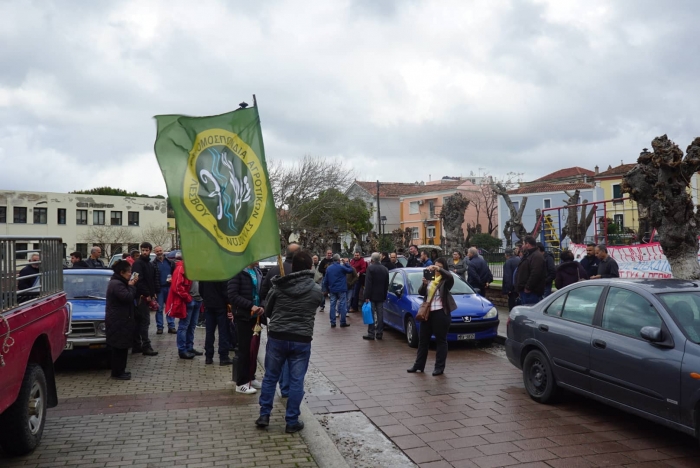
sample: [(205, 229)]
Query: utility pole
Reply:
[(379, 212)]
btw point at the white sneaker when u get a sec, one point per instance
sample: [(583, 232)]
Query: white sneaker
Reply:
[(256, 384), (245, 389)]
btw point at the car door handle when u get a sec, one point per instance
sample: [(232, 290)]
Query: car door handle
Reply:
[(544, 327), (599, 344)]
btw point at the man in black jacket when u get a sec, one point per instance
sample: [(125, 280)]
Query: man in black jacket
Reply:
[(291, 309), (532, 271), (376, 288), (94, 261), (147, 289), (413, 257), (479, 274), (551, 269), (590, 261), (512, 262), (76, 260), (607, 268), (215, 298), (322, 267)]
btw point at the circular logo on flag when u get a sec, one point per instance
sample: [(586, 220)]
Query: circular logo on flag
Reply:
[(225, 188)]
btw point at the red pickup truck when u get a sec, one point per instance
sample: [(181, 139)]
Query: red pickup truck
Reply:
[(34, 324)]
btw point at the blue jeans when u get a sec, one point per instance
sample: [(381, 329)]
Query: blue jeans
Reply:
[(348, 298), (547, 290), (216, 318), (529, 298), (284, 380), (162, 297), (186, 327), (338, 300), (279, 353)]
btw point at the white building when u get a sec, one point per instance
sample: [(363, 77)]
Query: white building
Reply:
[(113, 222)]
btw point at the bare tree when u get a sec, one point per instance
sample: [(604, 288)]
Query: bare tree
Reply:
[(576, 227), (485, 201), (107, 236), (515, 224), (452, 215), (296, 184), (157, 235), (660, 182)]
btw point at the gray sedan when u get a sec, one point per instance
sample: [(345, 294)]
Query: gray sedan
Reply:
[(632, 344)]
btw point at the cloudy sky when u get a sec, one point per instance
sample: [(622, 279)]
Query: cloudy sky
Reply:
[(400, 90)]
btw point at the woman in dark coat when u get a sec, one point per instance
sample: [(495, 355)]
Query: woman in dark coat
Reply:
[(441, 306), (119, 317), (244, 296), (570, 271)]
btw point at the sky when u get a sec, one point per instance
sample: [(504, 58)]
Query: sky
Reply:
[(399, 91)]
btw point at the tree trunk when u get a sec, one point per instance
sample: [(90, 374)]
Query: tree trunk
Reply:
[(515, 224), (659, 182)]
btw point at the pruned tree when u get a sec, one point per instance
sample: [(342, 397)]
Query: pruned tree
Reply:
[(515, 224), (452, 215), (485, 201), (660, 183), (157, 235), (401, 238), (576, 226), (295, 185)]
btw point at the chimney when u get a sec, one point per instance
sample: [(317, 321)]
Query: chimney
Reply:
[(585, 178), (597, 170)]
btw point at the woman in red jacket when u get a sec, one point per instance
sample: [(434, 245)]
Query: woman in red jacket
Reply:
[(176, 306)]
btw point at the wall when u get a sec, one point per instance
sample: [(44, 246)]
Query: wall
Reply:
[(152, 212), (627, 208)]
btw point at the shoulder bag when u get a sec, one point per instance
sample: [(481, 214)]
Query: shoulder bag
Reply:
[(424, 310)]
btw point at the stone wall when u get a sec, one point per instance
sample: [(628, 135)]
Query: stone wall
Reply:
[(493, 294)]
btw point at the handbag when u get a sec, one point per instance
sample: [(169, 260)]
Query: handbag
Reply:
[(424, 310), (367, 315)]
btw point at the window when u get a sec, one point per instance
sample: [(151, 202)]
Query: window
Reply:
[(61, 216), (627, 312), (40, 215), (581, 303), (116, 218), (431, 208), (516, 205), (133, 247), (3, 214), (413, 208), (80, 217), (115, 249), (133, 218), (396, 285), (619, 220), (684, 307), (82, 248), (20, 213), (98, 217), (414, 233), (430, 232), (547, 203), (617, 191), (556, 307), (21, 246)]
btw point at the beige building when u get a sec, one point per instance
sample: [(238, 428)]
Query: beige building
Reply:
[(113, 222)]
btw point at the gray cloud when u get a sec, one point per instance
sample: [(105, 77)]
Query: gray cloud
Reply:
[(400, 90)]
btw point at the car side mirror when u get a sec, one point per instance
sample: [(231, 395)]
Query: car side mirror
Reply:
[(652, 334)]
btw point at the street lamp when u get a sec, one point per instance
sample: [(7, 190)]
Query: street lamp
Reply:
[(383, 221)]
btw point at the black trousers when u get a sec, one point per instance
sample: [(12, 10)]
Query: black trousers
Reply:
[(438, 324), (244, 331), (118, 363), (216, 317), (142, 315), (512, 297)]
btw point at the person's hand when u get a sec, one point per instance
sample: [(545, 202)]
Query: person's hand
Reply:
[(133, 281), (595, 276), (486, 285), (425, 281), (526, 291)]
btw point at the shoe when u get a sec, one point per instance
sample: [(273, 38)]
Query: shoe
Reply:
[(368, 337), (136, 350), (413, 370), (225, 362), (208, 361), (159, 332), (149, 352), (195, 352), (292, 428), (256, 384), (124, 376), (332, 325), (437, 372), (263, 420), (245, 389), (172, 331), (186, 355), (378, 337), (344, 325), (201, 325)]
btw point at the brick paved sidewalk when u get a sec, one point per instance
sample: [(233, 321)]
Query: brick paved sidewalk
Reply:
[(174, 413)]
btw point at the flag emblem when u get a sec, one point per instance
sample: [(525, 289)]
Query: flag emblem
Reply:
[(225, 188)]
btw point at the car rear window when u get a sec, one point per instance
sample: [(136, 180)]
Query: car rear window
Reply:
[(684, 307)]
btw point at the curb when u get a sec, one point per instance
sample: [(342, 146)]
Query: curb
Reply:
[(500, 339), (321, 446)]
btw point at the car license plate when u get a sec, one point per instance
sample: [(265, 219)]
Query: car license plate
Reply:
[(466, 336), (68, 346)]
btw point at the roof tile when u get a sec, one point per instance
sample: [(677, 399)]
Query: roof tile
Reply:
[(616, 171), (563, 173), (401, 189), (546, 187)]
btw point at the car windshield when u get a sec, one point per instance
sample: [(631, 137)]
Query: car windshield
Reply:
[(86, 286), (684, 307), (460, 287), (269, 260)]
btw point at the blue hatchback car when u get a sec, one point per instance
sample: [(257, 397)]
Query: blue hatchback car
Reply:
[(86, 290), (475, 318)]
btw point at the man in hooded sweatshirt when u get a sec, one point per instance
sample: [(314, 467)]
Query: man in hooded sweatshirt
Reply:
[(291, 310)]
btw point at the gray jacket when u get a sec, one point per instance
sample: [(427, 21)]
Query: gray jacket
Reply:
[(291, 306)]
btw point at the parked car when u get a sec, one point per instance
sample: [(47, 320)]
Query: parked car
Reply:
[(475, 318), (631, 344), (172, 254), (87, 291), (266, 264), (116, 257), (33, 329)]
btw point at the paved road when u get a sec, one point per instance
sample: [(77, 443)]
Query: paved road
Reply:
[(477, 414)]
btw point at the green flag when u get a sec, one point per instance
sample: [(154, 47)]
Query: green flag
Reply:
[(218, 184)]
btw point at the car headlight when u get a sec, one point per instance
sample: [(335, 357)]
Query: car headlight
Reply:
[(493, 313), (101, 328)]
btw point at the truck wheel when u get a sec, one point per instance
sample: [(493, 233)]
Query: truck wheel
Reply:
[(538, 377), (411, 332), (23, 422)]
